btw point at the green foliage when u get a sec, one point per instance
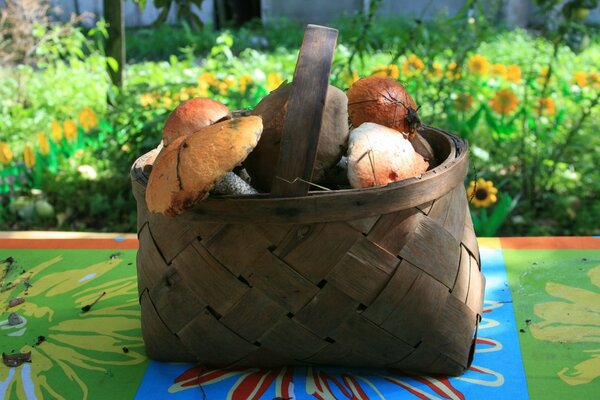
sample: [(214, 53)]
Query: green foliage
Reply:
[(455, 67)]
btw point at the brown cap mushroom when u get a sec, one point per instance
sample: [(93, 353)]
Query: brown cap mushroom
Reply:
[(383, 101), (192, 115), (333, 137), (378, 155), (185, 171)]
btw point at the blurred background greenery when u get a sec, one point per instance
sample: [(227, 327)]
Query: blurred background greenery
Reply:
[(526, 99)]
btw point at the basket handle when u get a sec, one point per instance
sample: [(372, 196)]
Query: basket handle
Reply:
[(302, 123)]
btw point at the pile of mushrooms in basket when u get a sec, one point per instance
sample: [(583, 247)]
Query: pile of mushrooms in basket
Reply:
[(369, 137)]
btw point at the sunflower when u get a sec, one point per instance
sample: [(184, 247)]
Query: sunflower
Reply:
[(513, 73), (274, 80), (504, 102), (478, 64), (580, 79), (436, 71), (6, 154), (43, 143), (88, 119), (244, 81), (412, 65), (29, 156), (593, 78), (482, 193), (56, 132), (546, 106), (498, 70), (463, 101), (70, 130), (453, 71)]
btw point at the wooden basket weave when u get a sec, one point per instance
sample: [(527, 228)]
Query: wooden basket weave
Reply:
[(380, 277)]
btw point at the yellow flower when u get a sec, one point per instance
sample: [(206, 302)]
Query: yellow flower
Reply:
[(6, 154), (504, 102), (573, 320), (147, 100), (207, 79), (245, 81), (183, 94), (348, 79), (482, 193), (436, 71), (70, 130), (513, 73), (389, 71), (544, 75), (546, 105), (56, 132), (28, 156), (453, 71), (78, 153), (166, 101), (478, 64), (43, 143), (498, 70), (274, 80), (580, 79), (88, 119), (593, 78), (412, 65), (463, 101)]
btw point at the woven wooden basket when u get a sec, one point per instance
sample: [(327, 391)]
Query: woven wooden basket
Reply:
[(380, 277)]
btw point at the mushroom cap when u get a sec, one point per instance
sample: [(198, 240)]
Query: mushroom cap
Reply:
[(192, 115), (378, 155), (185, 171), (383, 101), (333, 137)]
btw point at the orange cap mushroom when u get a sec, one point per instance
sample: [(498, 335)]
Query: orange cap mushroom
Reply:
[(192, 115), (185, 171)]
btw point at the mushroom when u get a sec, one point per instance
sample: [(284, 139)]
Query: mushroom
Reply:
[(192, 115), (188, 168), (333, 137), (383, 101), (378, 155)]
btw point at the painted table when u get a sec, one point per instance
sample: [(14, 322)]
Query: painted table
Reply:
[(539, 338)]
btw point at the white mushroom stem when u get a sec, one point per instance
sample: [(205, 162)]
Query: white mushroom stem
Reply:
[(231, 184)]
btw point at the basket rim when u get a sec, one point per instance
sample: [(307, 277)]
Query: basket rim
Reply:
[(334, 205)]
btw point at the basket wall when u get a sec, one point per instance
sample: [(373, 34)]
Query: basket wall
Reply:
[(401, 290)]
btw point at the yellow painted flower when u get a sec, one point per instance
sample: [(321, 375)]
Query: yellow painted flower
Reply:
[(478, 64), (413, 65), (43, 143), (573, 320), (147, 100), (580, 79), (498, 70), (6, 154), (453, 71), (593, 78), (436, 71), (75, 345), (274, 80), (28, 156), (546, 106), (513, 73), (245, 81), (70, 130), (482, 193), (463, 101), (56, 132), (387, 71), (504, 102), (88, 119)]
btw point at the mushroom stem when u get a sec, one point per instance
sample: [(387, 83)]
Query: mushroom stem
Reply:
[(231, 184)]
